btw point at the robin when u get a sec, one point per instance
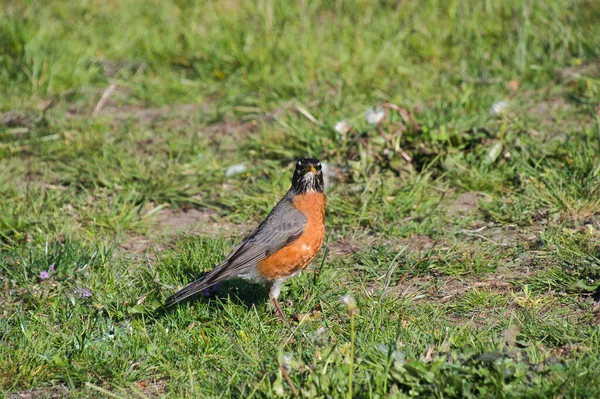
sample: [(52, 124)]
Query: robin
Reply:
[(284, 244)]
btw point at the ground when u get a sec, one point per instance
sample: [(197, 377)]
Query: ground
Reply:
[(140, 141)]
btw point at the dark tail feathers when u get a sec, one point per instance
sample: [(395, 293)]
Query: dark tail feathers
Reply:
[(194, 288)]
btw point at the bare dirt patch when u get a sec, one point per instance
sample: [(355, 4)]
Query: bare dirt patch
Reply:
[(553, 115), (152, 388), (58, 391), (587, 69), (232, 128), (230, 133), (171, 223), (345, 246), (113, 67), (112, 102), (16, 118), (504, 236), (464, 204), (445, 288), (414, 244), (457, 287), (546, 109), (418, 243), (148, 115), (136, 244), (191, 221)]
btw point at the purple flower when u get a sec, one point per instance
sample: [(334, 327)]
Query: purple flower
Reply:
[(82, 292), (46, 274)]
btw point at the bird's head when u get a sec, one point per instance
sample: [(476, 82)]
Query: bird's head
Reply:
[(308, 176)]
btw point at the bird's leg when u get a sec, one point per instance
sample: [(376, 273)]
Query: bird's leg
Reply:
[(274, 290), (278, 309)]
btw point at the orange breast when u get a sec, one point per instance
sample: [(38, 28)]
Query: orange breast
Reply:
[(300, 253)]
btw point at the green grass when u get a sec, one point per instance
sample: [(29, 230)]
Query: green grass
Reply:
[(476, 267)]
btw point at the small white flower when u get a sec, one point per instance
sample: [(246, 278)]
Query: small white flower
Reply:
[(499, 108), (342, 127), (350, 303), (287, 362), (235, 169), (320, 337), (374, 116)]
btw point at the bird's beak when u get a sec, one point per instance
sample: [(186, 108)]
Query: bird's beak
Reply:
[(309, 168)]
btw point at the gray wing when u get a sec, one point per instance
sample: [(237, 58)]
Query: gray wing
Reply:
[(281, 228), (284, 225)]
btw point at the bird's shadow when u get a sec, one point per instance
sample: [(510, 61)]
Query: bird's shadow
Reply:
[(239, 292)]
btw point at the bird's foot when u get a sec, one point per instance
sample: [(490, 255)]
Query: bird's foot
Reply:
[(279, 311)]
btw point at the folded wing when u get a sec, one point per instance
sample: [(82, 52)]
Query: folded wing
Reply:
[(284, 225)]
